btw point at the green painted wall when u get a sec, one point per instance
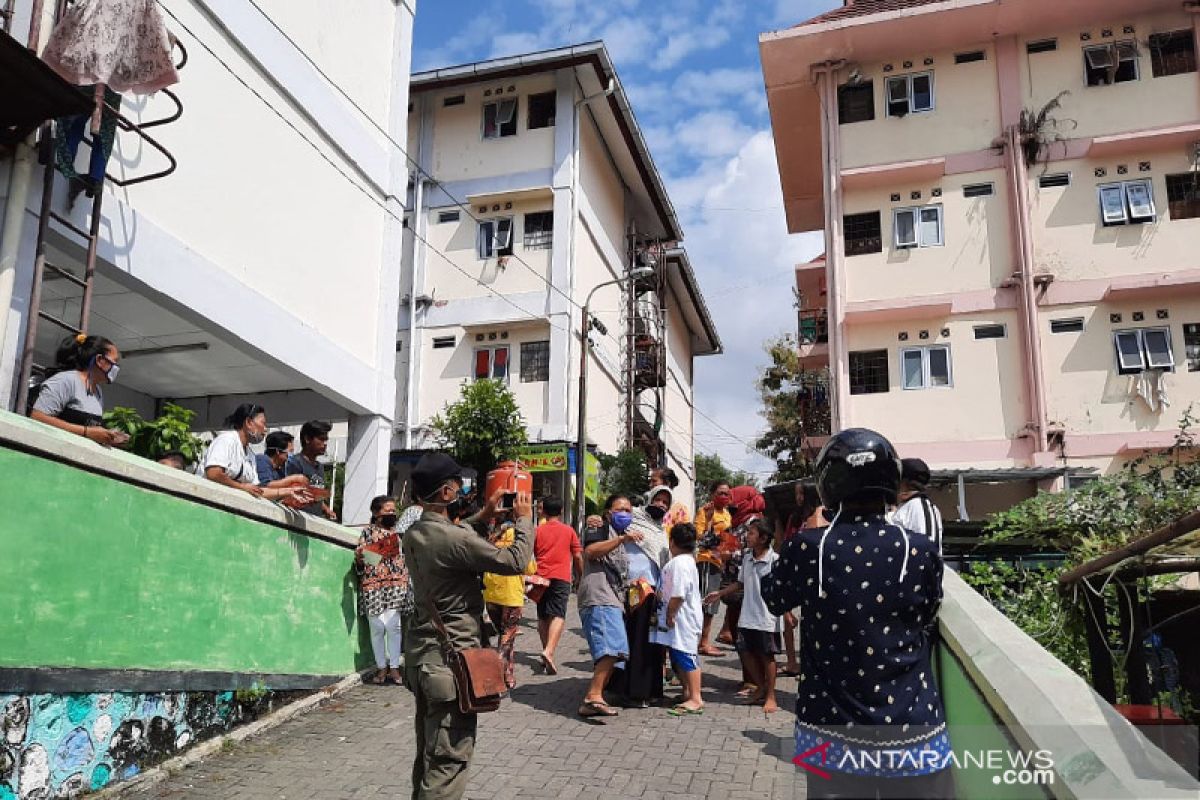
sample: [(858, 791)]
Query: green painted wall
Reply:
[(973, 727), (102, 574)]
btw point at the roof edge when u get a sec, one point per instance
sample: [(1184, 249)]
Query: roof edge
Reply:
[(697, 297)]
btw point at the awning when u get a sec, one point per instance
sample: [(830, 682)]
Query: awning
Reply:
[(950, 477), (31, 92)]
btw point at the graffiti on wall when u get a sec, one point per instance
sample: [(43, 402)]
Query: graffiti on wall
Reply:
[(60, 745)]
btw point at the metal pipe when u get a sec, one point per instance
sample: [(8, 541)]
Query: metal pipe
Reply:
[(418, 258), (35, 292), (834, 268), (19, 183)]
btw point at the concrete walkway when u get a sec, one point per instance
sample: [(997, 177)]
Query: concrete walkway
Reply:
[(361, 745)]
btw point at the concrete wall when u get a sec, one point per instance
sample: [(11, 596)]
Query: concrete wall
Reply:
[(679, 428), (1135, 105), (965, 116)]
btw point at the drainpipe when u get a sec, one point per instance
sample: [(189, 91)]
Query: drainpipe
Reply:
[(10, 235), (1019, 178), (824, 75), (576, 121), (417, 263)]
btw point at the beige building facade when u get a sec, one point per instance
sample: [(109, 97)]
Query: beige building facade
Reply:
[(531, 187), (1010, 197)]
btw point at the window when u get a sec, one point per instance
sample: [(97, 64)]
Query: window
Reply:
[(869, 372), (539, 230), (1191, 346), (495, 237), (1054, 180), (454, 100), (979, 190), (448, 216), (1131, 202), (1172, 53), (925, 367), (1107, 64), (1068, 325), (442, 342), (968, 58), (1143, 348), (910, 94), (1041, 46), (541, 110), (1079, 481), (500, 119), (918, 227), (1183, 195), (856, 102), (491, 362), (535, 362), (862, 233), (990, 332)]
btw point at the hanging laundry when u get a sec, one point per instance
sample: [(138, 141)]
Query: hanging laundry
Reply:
[(69, 133), (121, 43), (1150, 385)]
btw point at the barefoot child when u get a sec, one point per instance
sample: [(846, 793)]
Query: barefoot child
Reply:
[(680, 617), (758, 628)]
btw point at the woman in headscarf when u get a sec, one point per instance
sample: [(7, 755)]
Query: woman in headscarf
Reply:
[(646, 553), (665, 476)]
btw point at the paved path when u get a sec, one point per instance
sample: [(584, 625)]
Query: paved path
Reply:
[(361, 745)]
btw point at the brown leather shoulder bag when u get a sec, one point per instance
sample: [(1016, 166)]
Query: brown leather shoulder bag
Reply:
[(478, 671)]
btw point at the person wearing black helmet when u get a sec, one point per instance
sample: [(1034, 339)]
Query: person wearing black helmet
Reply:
[(868, 711), (917, 512), (447, 560)]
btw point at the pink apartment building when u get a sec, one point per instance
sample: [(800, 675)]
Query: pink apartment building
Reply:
[(1012, 313)]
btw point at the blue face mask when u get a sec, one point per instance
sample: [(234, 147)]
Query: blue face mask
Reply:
[(621, 520)]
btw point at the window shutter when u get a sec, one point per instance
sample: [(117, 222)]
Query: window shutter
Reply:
[(931, 226), (1141, 205), (922, 92), (939, 366), (1158, 348), (500, 363), (1112, 205), (484, 242), (913, 369), (906, 228), (897, 96), (483, 360), (1129, 351)]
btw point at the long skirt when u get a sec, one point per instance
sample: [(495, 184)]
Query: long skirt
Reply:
[(642, 676)]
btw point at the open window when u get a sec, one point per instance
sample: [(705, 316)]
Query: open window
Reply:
[(1143, 348), (918, 227), (1131, 202), (539, 230), (500, 119), (925, 367), (869, 372), (1115, 62), (542, 109), (1191, 346), (862, 233), (535, 362), (856, 102), (910, 94), (491, 362), (1183, 195), (1172, 53), (495, 237)]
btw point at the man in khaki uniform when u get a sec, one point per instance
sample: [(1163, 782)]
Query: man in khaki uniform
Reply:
[(445, 561)]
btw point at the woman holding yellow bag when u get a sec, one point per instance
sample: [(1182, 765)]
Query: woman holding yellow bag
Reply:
[(505, 597)]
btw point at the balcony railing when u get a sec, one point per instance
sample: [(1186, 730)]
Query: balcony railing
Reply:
[(812, 326)]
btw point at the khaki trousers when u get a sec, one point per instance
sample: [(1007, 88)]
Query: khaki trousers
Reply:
[(445, 735)]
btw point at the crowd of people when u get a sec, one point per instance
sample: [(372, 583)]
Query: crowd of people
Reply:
[(72, 399), (853, 572)]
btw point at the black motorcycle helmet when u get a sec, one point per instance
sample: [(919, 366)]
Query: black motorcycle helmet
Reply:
[(857, 464)]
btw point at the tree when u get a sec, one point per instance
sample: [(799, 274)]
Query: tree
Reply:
[(710, 469), (625, 473), (484, 426), (171, 431), (791, 405)]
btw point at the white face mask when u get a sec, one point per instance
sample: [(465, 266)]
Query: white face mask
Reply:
[(256, 436), (112, 373)]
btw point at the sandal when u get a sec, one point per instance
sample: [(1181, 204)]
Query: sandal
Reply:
[(683, 711), (548, 665), (596, 708), (379, 678), (786, 672)]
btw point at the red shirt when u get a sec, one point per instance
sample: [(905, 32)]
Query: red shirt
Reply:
[(554, 547)]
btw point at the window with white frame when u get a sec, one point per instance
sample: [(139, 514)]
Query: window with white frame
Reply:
[(1106, 64), (491, 362), (500, 119), (1126, 203), (495, 237), (909, 94), (1143, 348), (925, 367), (920, 226)]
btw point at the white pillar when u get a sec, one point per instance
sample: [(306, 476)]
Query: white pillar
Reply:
[(367, 453)]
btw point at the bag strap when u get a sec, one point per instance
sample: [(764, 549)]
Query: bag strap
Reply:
[(438, 624)]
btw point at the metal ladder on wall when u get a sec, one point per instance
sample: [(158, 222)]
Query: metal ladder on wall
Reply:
[(90, 235)]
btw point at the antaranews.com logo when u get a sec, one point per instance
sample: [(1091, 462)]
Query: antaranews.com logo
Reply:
[(1007, 767)]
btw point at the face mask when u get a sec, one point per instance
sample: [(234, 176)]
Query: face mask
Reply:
[(388, 520), (720, 502), (112, 373), (621, 520), (255, 437), (656, 513)]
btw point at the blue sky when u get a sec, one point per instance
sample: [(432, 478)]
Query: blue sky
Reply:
[(692, 71)]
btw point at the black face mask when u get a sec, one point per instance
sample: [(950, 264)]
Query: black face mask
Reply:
[(656, 513), (388, 520)]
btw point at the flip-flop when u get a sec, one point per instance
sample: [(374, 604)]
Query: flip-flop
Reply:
[(549, 666), (594, 708), (683, 711)]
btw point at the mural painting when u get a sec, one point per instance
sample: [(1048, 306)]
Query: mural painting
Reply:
[(62, 745)]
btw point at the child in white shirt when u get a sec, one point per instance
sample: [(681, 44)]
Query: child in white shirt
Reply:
[(680, 617)]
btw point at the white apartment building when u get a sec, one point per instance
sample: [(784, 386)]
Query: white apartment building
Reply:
[(266, 266), (534, 185)]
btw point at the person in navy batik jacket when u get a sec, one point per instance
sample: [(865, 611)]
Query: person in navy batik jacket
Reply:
[(869, 718)]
